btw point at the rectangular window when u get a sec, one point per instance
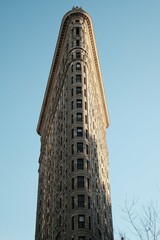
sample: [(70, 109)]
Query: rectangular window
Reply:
[(85, 81), (72, 165), (79, 90), (72, 149), (78, 78), (87, 165), (85, 93), (60, 186), (86, 119), (78, 66), (72, 202), (77, 43), (88, 184), (80, 182), (79, 132), (72, 68), (97, 200), (79, 147), (60, 202), (73, 133), (81, 200), (72, 223), (81, 221), (79, 103), (72, 183), (89, 202), (78, 55), (71, 80), (89, 223), (86, 149), (87, 134), (85, 106), (80, 164), (98, 218), (72, 92), (72, 119), (72, 105), (77, 31), (79, 117)]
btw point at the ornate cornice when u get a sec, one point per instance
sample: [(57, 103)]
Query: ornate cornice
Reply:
[(74, 12)]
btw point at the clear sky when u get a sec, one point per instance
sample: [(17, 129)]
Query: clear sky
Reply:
[(128, 41)]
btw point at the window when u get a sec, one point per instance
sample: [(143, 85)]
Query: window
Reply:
[(77, 31), (72, 183), (89, 202), (81, 200), (78, 66), (78, 78), (80, 164), (97, 200), (85, 106), (78, 55), (73, 133), (72, 119), (60, 220), (72, 202), (77, 20), (60, 202), (72, 165), (87, 165), (98, 218), (84, 68), (87, 134), (72, 92), (71, 68), (60, 186), (86, 149), (79, 90), (85, 93), (86, 119), (79, 147), (89, 223), (84, 80), (81, 238), (72, 149), (95, 166), (77, 43), (81, 221), (72, 105), (79, 117), (79, 132), (79, 103), (72, 223), (88, 184), (71, 80), (80, 182)]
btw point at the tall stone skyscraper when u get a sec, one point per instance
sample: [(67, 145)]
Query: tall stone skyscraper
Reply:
[(74, 191)]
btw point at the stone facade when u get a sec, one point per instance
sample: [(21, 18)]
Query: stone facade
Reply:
[(74, 191)]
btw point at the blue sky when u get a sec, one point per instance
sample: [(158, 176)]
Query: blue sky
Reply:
[(128, 41)]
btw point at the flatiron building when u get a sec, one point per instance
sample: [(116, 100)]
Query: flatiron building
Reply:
[(73, 200)]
